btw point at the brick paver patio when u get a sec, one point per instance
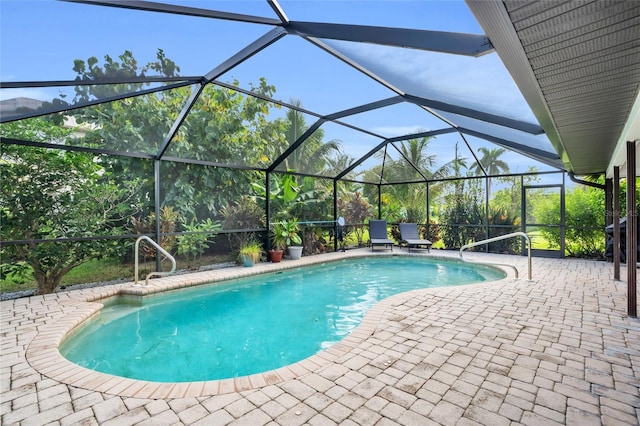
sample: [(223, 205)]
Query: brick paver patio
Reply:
[(557, 350)]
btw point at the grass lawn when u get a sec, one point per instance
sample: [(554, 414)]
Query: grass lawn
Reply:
[(109, 270), (538, 242)]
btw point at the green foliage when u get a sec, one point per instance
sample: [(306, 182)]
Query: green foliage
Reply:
[(197, 238), (17, 272), (584, 220), (291, 195), (503, 221), (285, 233), (405, 202), (490, 162), (127, 67), (242, 214), (462, 212), (51, 194), (224, 126), (314, 200), (146, 226), (312, 156), (391, 210), (251, 249), (432, 233), (356, 209), (415, 214)]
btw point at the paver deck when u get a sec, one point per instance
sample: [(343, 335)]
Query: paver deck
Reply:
[(557, 350)]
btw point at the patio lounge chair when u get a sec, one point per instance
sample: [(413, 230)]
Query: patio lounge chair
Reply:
[(409, 236), (378, 234)]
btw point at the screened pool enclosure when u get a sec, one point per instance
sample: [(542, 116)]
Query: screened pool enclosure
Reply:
[(201, 128)]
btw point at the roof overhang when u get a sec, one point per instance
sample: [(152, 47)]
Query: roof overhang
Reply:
[(578, 66)]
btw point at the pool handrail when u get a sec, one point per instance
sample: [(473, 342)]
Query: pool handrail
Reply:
[(156, 273), (498, 238)]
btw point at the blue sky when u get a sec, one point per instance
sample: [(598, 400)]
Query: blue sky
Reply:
[(41, 38)]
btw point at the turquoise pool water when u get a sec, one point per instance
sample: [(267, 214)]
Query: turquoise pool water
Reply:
[(254, 324)]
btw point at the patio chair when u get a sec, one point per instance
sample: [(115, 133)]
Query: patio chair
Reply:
[(409, 236), (378, 234)]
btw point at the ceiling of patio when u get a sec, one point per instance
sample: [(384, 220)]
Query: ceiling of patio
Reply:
[(575, 66), (578, 65)]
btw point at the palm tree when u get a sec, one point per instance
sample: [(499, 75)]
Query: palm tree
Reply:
[(491, 163), (311, 156), (414, 155), (338, 162)]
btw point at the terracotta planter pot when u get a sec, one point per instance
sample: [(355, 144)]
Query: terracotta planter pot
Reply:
[(275, 255)]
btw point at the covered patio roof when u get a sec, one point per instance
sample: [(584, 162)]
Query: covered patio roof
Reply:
[(578, 66)]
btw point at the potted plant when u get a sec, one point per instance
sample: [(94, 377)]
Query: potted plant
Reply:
[(283, 234), (294, 240), (250, 252), (278, 242)]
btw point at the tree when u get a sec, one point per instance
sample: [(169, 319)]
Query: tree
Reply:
[(462, 212), (50, 194), (313, 155), (356, 210), (584, 221), (407, 201), (223, 126), (490, 163)]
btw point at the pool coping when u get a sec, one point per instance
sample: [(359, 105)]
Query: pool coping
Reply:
[(44, 356)]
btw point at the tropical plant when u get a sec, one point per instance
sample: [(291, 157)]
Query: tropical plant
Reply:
[(490, 163), (48, 194), (414, 165), (242, 214), (462, 213), (285, 233), (503, 221), (250, 249), (147, 225), (197, 238), (356, 209), (313, 154), (283, 190)]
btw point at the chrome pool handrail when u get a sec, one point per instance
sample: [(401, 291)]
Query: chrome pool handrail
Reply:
[(163, 251), (498, 238)]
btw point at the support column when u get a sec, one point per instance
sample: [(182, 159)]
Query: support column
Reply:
[(428, 224), (267, 208), (486, 212), (608, 202), (156, 177), (335, 215), (616, 222), (632, 231), (379, 201)]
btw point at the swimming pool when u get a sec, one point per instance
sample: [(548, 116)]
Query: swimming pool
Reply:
[(250, 325)]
